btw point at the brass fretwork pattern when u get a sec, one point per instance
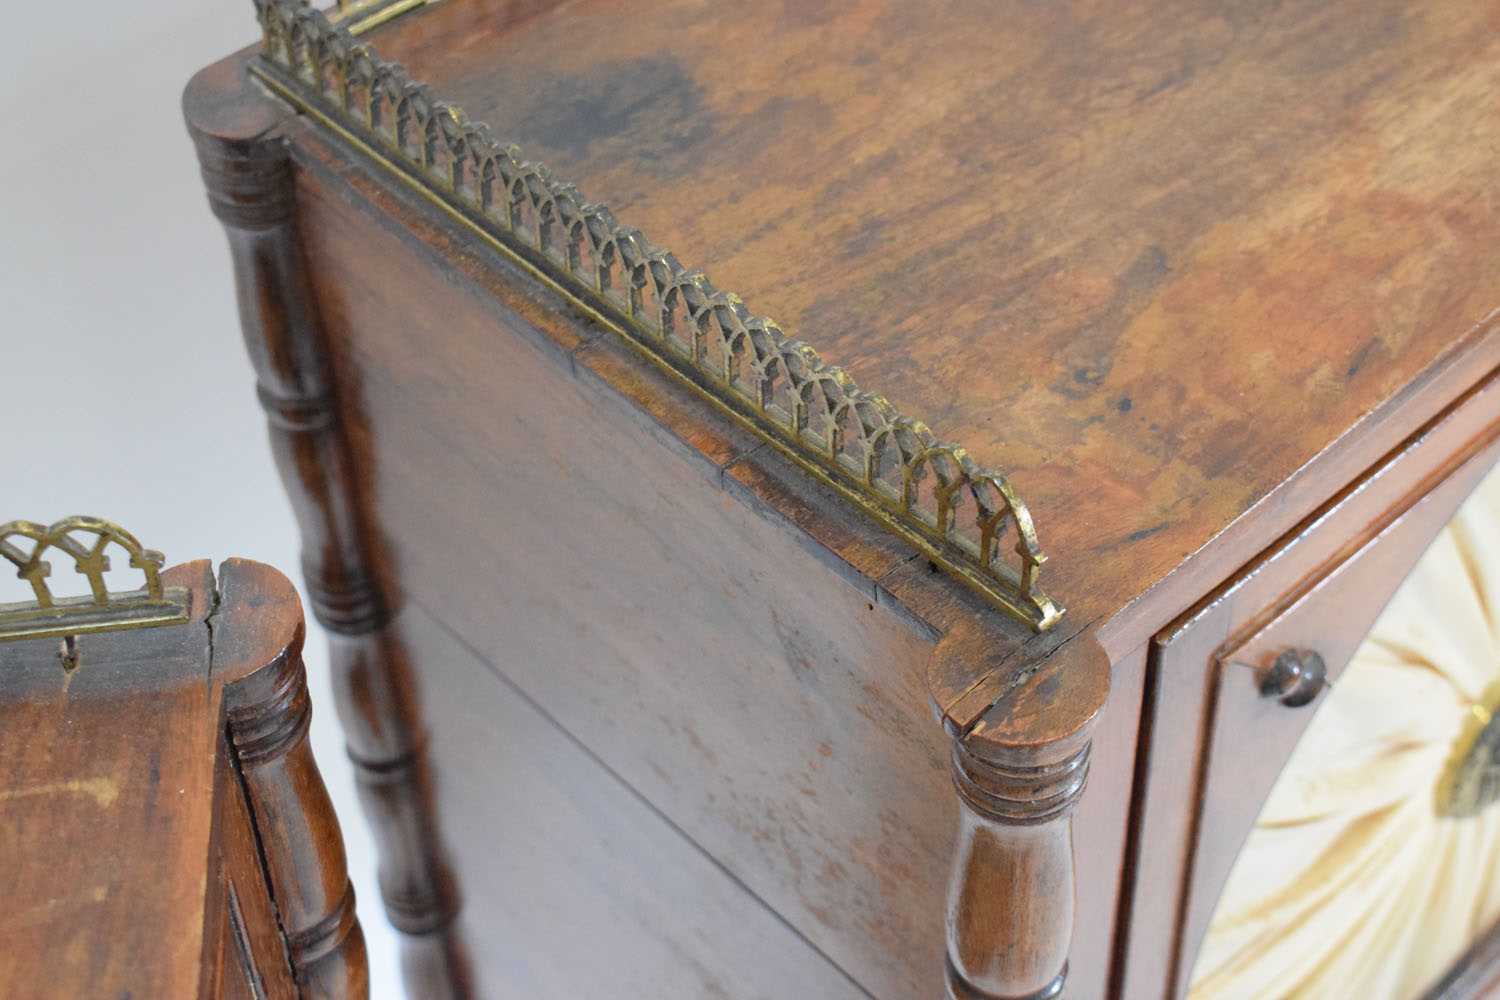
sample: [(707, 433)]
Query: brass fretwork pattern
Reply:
[(966, 518), (86, 540)]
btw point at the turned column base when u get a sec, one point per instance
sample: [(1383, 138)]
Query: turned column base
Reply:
[(960, 990)]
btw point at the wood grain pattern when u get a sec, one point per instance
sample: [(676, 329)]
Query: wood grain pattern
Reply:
[(1185, 273), (1020, 773), (1170, 251), (1014, 886), (165, 828), (106, 796), (404, 394), (576, 885), (252, 958), (789, 731)]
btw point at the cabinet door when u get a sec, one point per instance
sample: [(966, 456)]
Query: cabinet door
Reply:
[(1236, 681), (1373, 861)]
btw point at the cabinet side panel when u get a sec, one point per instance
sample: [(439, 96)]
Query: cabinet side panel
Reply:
[(572, 886), (752, 686)]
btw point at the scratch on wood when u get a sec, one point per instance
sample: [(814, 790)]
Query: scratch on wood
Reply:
[(103, 791)]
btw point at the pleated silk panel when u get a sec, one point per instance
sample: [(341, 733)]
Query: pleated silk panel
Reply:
[(1352, 883)]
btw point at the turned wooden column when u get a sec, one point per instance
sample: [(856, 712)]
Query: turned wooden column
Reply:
[(1010, 904), (1020, 765), (248, 172), (258, 644)]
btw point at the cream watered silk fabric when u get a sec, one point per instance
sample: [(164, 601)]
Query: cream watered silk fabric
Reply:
[(1351, 886)]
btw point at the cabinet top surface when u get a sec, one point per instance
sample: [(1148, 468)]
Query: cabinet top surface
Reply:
[(1149, 259), (106, 789)]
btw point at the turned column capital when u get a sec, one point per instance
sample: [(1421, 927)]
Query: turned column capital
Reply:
[(1012, 789), (245, 162), (269, 711), (1025, 758), (249, 182)]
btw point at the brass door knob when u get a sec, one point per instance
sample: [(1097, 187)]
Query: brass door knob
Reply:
[(1296, 677)]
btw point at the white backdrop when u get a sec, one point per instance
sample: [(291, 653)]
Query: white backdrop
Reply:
[(124, 391)]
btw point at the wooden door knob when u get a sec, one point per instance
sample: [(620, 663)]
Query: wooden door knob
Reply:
[(1296, 677)]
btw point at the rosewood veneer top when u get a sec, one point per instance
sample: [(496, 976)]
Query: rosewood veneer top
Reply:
[(1148, 259)]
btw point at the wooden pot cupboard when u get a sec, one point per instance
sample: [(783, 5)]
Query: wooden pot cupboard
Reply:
[(164, 830), (1126, 357)]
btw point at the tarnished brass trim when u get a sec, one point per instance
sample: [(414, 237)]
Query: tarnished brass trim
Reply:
[(86, 540), (1471, 779), (929, 492), (360, 16)]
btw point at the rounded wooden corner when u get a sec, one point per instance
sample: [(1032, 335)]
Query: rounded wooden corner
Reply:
[(220, 103), (258, 622), (1002, 699), (1051, 710)]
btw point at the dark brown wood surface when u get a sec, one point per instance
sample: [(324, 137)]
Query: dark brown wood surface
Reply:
[(405, 393), (1011, 899), (1169, 251), (1184, 273), (780, 713), (247, 171), (383, 704), (257, 665), (251, 951), (573, 884), (164, 829), (106, 805)]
